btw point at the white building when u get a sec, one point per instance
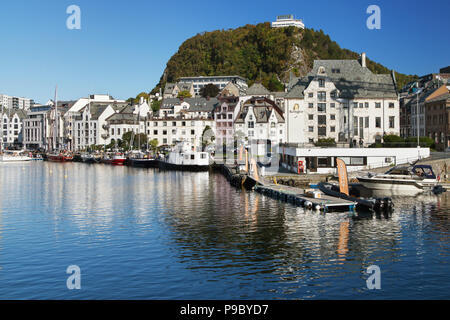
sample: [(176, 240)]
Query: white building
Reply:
[(36, 128), (15, 102), (12, 125), (219, 81), (75, 108), (342, 100), (260, 122), (323, 160), (288, 21)]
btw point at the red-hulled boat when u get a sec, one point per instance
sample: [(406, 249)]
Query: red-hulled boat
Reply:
[(60, 157), (115, 160)]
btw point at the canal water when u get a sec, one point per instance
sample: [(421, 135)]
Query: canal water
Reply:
[(145, 234)]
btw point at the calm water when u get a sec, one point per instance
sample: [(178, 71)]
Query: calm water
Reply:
[(144, 234)]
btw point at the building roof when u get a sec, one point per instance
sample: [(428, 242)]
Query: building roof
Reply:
[(257, 89), (262, 108), (444, 97), (350, 78)]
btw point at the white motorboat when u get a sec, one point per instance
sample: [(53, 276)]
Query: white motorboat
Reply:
[(402, 180), (14, 156)]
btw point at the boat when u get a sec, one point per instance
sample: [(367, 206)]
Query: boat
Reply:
[(14, 156), (143, 161), (88, 158), (60, 157), (402, 180), (185, 158), (347, 192), (371, 204), (37, 157), (117, 159)]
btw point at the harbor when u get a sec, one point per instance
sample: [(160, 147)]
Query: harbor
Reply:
[(156, 234)]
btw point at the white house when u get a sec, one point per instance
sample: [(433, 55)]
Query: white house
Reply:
[(260, 122), (12, 126)]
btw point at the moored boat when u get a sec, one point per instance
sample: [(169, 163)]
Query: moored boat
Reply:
[(402, 180), (185, 158), (117, 159), (14, 156), (60, 157)]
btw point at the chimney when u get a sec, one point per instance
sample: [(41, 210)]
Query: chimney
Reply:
[(363, 60)]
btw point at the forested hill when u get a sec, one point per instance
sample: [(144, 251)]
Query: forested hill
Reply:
[(259, 53)]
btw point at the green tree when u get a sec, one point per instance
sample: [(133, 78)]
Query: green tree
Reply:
[(156, 105), (210, 90), (138, 97), (154, 144), (184, 94), (130, 140)]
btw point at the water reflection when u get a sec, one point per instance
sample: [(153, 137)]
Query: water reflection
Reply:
[(149, 234)]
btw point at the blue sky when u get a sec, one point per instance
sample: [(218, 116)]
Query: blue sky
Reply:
[(123, 46)]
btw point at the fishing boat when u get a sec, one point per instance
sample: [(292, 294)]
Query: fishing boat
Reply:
[(185, 158), (117, 159), (402, 180), (60, 157), (143, 161), (14, 156)]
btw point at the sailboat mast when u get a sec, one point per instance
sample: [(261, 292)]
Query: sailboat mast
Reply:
[(55, 137)]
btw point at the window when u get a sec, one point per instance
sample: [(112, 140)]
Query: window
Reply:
[(355, 126), (332, 105), (322, 120), (230, 116), (155, 124), (310, 95), (323, 162), (322, 131), (310, 117), (165, 124), (391, 105), (311, 129), (391, 122), (377, 104), (321, 83), (164, 132), (155, 132), (322, 107), (332, 129), (378, 122), (322, 96), (333, 94), (251, 124), (355, 105), (366, 104), (192, 132), (366, 122), (361, 105), (332, 117), (310, 105)]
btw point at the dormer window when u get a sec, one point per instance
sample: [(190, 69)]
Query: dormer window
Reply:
[(321, 70), (321, 83)]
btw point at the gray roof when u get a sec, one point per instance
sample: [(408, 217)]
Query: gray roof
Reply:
[(262, 108), (257, 89), (117, 117), (195, 104), (350, 78)]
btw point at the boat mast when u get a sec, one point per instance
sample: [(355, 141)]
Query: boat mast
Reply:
[(55, 136)]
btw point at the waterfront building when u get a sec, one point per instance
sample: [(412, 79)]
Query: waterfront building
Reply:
[(220, 81), (36, 128), (342, 100), (187, 108), (260, 122), (298, 159), (224, 115), (76, 107), (128, 119), (15, 102), (288, 21), (437, 106), (12, 126)]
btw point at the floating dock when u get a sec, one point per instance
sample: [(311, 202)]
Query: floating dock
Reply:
[(294, 196)]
